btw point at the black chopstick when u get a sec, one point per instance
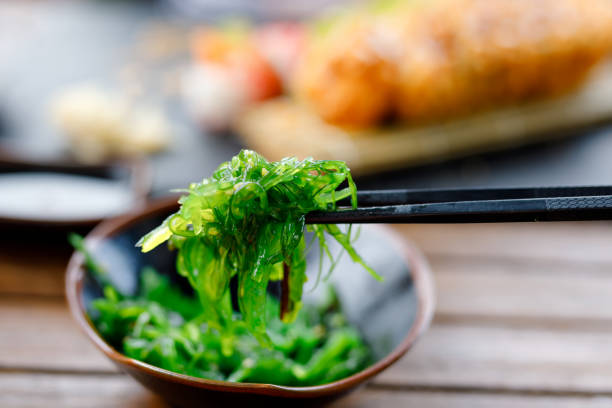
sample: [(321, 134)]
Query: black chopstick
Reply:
[(573, 206), (376, 198)]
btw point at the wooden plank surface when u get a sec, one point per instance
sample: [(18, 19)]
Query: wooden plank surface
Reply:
[(523, 319), (34, 390), (581, 242), (26, 390), (450, 354), (507, 358), (545, 293), (438, 399), (31, 265), (40, 333)]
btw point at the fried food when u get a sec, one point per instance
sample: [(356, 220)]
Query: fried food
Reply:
[(348, 82), (421, 61)]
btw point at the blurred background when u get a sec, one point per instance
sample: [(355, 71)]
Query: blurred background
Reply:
[(411, 93), (105, 104)]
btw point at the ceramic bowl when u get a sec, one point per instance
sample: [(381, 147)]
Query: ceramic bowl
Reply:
[(391, 314), (131, 178)]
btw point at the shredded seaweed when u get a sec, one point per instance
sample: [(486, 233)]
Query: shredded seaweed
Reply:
[(164, 326), (248, 221)]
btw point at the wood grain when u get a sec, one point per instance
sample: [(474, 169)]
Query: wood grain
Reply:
[(436, 399), (544, 293), (40, 333), (47, 280), (507, 358), (25, 390), (30, 265), (581, 242)]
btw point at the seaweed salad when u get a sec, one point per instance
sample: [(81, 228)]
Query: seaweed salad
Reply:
[(246, 224)]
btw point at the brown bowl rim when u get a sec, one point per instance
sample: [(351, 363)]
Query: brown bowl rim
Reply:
[(420, 272)]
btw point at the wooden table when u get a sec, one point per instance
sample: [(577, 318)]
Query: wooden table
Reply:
[(524, 318)]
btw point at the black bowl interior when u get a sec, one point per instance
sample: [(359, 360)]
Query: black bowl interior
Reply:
[(384, 312)]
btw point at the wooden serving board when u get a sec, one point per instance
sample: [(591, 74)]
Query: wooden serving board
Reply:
[(282, 127)]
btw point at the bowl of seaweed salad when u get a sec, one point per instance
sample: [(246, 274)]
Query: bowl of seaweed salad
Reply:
[(230, 298)]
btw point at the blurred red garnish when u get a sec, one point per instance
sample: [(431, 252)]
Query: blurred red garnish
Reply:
[(239, 55), (282, 44)]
